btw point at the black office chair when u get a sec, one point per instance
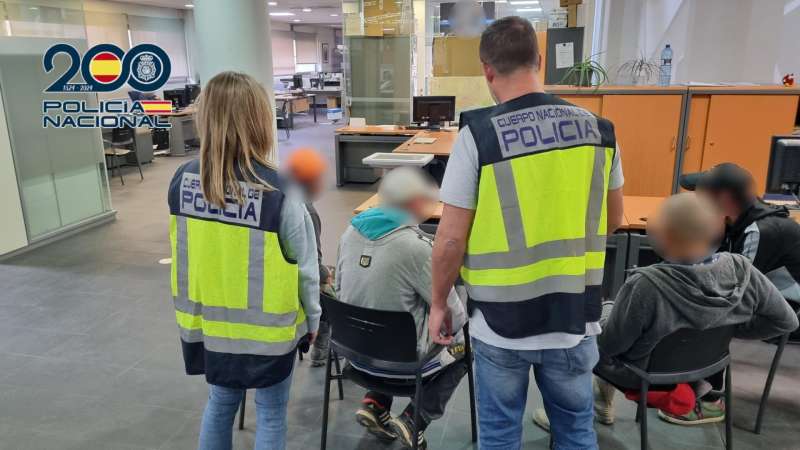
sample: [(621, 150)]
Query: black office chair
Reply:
[(121, 145), (776, 360), (686, 356), (380, 338), (282, 117)]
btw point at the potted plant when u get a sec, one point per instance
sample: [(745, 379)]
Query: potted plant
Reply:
[(586, 73), (639, 71)]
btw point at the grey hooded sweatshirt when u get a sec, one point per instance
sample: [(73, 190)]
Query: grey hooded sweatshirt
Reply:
[(384, 263), (660, 299)]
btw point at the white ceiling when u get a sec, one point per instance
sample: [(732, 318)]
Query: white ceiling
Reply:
[(322, 10), (320, 13)]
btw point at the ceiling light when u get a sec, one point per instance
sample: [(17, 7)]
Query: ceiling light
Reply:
[(272, 3), (306, 9), (529, 10), (281, 14), (524, 2), (296, 20), (334, 15), (189, 5)]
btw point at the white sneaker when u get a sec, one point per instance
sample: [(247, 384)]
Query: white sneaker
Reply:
[(540, 419)]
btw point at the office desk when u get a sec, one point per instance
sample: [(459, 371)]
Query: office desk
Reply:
[(638, 209), (182, 129), (295, 99), (441, 147), (353, 144)]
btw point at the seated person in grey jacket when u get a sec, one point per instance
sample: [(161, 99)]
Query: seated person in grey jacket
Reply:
[(694, 288), (384, 263)]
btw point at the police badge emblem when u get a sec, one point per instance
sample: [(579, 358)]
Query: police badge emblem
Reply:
[(146, 68), (365, 261)]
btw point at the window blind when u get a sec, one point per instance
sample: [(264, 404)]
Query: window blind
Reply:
[(282, 52), (306, 48), (166, 33)]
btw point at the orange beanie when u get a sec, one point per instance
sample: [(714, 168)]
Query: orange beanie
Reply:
[(306, 165)]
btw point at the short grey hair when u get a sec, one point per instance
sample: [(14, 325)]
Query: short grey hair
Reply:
[(403, 184)]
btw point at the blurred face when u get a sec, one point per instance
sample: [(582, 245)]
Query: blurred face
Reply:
[(421, 208), (314, 188), (725, 202)]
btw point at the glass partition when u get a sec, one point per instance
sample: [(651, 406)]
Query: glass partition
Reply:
[(60, 172), (378, 41)]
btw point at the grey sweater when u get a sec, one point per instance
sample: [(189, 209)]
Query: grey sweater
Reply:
[(391, 272), (660, 299)]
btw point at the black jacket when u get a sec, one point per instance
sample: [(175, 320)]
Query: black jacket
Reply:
[(778, 241)]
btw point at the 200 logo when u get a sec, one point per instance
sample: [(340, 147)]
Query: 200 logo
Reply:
[(106, 67)]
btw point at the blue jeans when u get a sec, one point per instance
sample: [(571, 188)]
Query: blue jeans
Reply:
[(564, 377), (216, 430)]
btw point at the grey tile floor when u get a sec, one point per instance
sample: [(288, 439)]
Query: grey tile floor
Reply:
[(89, 355)]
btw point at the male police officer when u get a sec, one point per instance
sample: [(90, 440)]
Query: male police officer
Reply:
[(532, 187)]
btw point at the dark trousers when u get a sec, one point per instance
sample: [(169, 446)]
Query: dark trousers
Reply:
[(437, 390)]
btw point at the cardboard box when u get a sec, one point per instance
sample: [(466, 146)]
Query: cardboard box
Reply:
[(332, 102), (572, 16), (456, 57), (565, 3)]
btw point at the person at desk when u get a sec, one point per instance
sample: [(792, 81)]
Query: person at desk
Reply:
[(384, 263), (694, 288), (532, 188), (245, 282), (763, 233)]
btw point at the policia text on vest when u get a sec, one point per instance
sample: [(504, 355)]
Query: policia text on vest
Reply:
[(235, 293), (536, 250)]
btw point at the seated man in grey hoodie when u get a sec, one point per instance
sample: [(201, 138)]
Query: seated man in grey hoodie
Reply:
[(384, 263), (693, 288)]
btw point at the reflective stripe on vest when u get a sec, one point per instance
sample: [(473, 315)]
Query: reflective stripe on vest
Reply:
[(233, 289), (528, 240)]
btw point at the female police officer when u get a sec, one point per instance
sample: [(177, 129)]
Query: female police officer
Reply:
[(244, 264)]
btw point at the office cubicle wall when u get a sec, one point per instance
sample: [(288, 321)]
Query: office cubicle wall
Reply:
[(378, 74), (12, 226), (60, 173)]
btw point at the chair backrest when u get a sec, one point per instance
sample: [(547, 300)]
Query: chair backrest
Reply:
[(689, 350), (122, 136), (363, 334)]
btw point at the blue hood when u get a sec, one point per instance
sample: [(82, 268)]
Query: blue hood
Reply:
[(376, 223)]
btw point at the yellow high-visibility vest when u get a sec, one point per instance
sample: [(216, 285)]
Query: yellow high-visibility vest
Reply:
[(234, 291), (536, 249)]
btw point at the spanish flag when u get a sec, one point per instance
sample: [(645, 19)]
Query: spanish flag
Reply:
[(156, 106), (105, 67)]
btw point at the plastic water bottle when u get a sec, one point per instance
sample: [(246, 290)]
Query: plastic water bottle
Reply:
[(666, 66)]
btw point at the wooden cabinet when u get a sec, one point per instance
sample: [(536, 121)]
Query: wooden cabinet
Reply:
[(740, 127), (647, 131), (592, 103)]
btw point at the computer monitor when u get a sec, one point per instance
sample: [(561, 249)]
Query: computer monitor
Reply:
[(297, 81), (434, 109), (192, 91), (783, 176), (177, 97)]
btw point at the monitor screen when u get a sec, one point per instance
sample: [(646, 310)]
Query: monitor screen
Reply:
[(192, 91), (177, 97), (784, 165), (434, 109)]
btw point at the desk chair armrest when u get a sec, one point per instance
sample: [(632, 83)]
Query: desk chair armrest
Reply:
[(636, 370)]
